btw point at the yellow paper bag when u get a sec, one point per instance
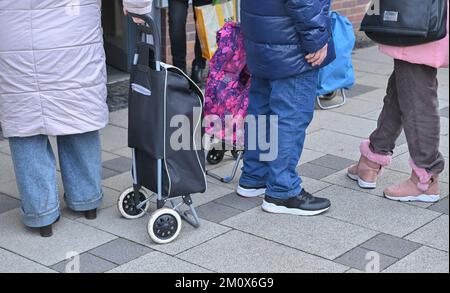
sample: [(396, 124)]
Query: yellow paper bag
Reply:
[(210, 19)]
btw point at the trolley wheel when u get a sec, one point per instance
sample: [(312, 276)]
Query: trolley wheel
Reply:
[(329, 97), (214, 156), (127, 206), (164, 226), (235, 154)]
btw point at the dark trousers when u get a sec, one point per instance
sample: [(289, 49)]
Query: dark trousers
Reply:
[(411, 104), (178, 12)]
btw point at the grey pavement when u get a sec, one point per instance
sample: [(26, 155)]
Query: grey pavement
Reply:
[(361, 232)]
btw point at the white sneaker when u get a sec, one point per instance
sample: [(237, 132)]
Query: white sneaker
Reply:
[(250, 192)]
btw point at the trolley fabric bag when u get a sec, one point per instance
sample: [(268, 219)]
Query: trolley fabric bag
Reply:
[(156, 97), (210, 19), (406, 22), (339, 74)]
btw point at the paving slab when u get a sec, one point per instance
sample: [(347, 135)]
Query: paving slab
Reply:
[(114, 137), (441, 206), (375, 213), (157, 262), (237, 202), (434, 234), (362, 259), (314, 171), (444, 112), (8, 203), (391, 246), (120, 251), (13, 263), (216, 212), (111, 221), (333, 162), (423, 260), (337, 144), (320, 235), (341, 123), (7, 169), (251, 254), (119, 164), (89, 264), (119, 118), (68, 236)]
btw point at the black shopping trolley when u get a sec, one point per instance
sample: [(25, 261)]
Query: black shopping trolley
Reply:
[(159, 95)]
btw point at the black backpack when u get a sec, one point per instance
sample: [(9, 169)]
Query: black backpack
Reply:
[(406, 22)]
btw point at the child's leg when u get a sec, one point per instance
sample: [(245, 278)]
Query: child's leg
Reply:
[(35, 169), (81, 169), (417, 96), (292, 100), (383, 139), (254, 172), (377, 151)]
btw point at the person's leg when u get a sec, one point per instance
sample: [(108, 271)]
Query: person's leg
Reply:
[(81, 169), (254, 171), (376, 152), (35, 169), (292, 100), (418, 99), (178, 10), (417, 94), (390, 125), (199, 60)]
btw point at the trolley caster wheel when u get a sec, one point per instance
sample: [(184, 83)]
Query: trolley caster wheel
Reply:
[(164, 226), (127, 206), (329, 97), (214, 156), (235, 154)]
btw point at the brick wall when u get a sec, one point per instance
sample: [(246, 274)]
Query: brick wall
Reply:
[(353, 9)]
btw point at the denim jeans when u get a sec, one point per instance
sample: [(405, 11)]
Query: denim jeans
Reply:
[(292, 100), (36, 176)]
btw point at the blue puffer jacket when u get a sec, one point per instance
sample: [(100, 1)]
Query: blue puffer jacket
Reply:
[(280, 33)]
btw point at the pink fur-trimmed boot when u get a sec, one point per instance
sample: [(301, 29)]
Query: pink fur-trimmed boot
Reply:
[(422, 187), (369, 167)]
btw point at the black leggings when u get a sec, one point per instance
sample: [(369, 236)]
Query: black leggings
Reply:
[(178, 11)]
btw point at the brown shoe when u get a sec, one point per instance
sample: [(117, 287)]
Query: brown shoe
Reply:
[(90, 215), (369, 167), (47, 231), (424, 188)]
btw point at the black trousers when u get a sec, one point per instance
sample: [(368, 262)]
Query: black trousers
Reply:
[(178, 12)]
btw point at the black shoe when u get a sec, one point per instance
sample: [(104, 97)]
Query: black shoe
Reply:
[(197, 74), (303, 205), (91, 215), (47, 231)]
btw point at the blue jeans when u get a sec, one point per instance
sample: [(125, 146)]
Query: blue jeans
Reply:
[(36, 176), (292, 100)]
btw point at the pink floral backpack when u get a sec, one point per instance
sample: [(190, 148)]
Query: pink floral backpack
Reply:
[(228, 85)]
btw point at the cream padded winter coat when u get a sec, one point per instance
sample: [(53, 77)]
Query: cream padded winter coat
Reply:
[(52, 66)]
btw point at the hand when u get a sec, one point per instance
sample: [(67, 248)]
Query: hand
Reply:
[(135, 19), (315, 59)]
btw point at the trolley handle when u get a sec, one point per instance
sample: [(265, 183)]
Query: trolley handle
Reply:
[(149, 28)]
